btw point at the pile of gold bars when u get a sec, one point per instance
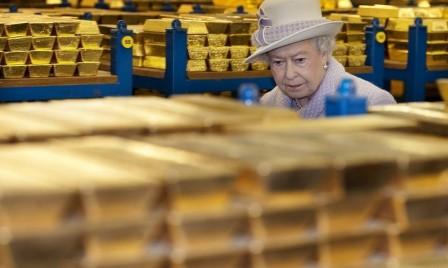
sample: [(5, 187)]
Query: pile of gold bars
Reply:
[(43, 46), (350, 44), (216, 43), (437, 40)]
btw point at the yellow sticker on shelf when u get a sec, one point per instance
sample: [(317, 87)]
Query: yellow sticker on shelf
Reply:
[(127, 42), (380, 37)]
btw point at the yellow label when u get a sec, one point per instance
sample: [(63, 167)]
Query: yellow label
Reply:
[(380, 37), (127, 42)]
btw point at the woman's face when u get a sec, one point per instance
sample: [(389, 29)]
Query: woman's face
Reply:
[(298, 69)]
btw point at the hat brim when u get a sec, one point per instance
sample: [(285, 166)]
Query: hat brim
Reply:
[(331, 28)]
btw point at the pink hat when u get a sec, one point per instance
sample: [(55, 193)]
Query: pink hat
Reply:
[(283, 22)]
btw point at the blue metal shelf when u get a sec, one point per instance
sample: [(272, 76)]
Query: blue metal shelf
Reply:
[(415, 73), (176, 80), (117, 82)]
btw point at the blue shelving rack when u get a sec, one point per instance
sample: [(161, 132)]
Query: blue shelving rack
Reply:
[(117, 82), (176, 80), (415, 73)]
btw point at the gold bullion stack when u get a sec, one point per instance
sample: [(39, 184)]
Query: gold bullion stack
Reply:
[(437, 39), (350, 44), (43, 46), (214, 43)]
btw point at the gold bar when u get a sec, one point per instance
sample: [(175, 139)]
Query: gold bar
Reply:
[(16, 29), (239, 39), (239, 52), (217, 40), (66, 56), (218, 65), (2, 28), (19, 43), (356, 49), (238, 65), (259, 66), (91, 54), (13, 71), (196, 66), (41, 28), (88, 68), (40, 70), (87, 27), (239, 27), (64, 69), (196, 39), (41, 56), (198, 53), (43, 43), (151, 37), (154, 62), (137, 61), (154, 50), (138, 50), (342, 59), (15, 57), (64, 28), (356, 61), (91, 40), (68, 42), (218, 52)]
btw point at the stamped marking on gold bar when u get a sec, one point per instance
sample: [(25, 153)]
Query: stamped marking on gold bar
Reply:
[(41, 28)]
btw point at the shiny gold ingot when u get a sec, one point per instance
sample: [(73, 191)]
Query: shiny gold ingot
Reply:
[(66, 56), (218, 65), (137, 61), (259, 66), (154, 38), (239, 52), (154, 50), (356, 49), (68, 42), (340, 49), (15, 57), (39, 70), (87, 27), (138, 50), (239, 27), (64, 69), (238, 65), (19, 43), (91, 41), (239, 39), (217, 40), (196, 66), (3, 41), (2, 28), (198, 53), (40, 29), (90, 54), (356, 61), (13, 71), (342, 59), (41, 56), (341, 37), (154, 62), (218, 52), (16, 29), (217, 27), (88, 68), (196, 40), (355, 37), (43, 43), (64, 28)]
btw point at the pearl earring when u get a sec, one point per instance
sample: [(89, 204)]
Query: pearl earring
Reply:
[(325, 66)]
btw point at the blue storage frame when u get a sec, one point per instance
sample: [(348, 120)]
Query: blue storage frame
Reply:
[(118, 83), (176, 80), (415, 73)]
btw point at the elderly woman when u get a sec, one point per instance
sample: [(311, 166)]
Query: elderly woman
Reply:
[(298, 44)]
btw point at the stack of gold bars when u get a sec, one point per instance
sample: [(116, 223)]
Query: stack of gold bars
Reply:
[(198, 181), (437, 39), (216, 44), (43, 46), (350, 49)]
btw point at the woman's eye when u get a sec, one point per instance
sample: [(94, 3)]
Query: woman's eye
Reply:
[(299, 60)]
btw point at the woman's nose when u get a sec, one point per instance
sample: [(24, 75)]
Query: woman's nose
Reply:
[(290, 70)]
